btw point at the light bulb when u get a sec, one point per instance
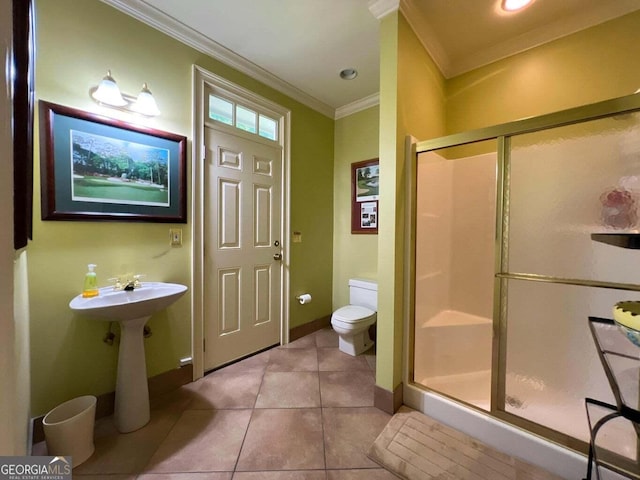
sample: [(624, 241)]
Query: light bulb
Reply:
[(513, 5)]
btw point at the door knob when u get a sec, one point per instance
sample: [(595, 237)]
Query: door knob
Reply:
[(277, 256)]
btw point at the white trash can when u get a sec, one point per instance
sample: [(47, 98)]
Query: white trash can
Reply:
[(68, 429)]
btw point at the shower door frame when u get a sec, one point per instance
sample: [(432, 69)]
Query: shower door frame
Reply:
[(502, 135)]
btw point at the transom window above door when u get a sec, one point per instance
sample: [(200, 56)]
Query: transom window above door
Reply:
[(242, 117)]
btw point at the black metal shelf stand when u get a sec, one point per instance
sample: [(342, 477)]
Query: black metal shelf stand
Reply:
[(621, 362)]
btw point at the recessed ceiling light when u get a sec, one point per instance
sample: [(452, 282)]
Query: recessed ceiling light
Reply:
[(514, 5), (348, 74)]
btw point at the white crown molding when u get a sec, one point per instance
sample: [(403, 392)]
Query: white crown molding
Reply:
[(421, 27), (382, 8), (145, 13), (357, 106)]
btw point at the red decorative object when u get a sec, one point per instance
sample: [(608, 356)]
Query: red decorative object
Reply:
[(618, 208)]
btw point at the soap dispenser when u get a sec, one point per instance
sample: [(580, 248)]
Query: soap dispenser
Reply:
[(90, 283)]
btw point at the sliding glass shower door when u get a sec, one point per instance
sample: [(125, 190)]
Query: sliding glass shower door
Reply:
[(557, 182), (565, 184)]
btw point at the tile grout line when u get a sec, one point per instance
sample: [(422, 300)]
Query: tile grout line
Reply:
[(324, 442), (173, 426), (253, 409)]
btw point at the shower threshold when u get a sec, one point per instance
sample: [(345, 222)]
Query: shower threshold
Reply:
[(473, 388)]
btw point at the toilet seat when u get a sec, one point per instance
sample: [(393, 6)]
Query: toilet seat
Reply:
[(353, 314)]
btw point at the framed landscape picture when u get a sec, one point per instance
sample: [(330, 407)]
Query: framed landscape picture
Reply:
[(97, 168), (364, 196)]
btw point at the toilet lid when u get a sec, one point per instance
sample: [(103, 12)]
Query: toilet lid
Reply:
[(353, 313)]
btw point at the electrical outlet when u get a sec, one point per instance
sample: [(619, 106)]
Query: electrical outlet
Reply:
[(175, 236)]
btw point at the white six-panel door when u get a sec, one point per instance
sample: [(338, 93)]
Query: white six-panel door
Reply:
[(242, 246)]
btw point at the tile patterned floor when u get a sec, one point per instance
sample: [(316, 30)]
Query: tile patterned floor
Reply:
[(299, 412)]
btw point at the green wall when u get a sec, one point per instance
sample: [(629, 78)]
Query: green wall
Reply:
[(311, 215), (356, 139), (589, 66), (411, 103), (76, 43)]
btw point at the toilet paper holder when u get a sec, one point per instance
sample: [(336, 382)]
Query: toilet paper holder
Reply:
[(304, 298)]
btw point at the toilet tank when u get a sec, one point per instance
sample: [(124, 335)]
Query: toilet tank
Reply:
[(364, 293)]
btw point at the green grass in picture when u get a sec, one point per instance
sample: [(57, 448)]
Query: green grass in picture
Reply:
[(115, 189), (366, 188)]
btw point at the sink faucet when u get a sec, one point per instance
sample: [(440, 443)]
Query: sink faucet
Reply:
[(127, 282)]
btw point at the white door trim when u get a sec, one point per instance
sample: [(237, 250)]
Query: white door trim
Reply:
[(201, 78)]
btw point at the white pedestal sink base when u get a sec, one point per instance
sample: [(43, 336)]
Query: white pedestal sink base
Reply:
[(132, 391), (132, 309)]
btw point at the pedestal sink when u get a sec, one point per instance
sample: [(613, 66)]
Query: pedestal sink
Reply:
[(131, 309)]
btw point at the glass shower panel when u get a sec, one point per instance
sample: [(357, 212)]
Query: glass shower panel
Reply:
[(567, 183), (455, 231), (551, 360)]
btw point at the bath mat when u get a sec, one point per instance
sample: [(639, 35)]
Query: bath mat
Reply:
[(416, 447)]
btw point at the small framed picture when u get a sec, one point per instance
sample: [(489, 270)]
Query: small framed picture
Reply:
[(97, 168), (364, 196)]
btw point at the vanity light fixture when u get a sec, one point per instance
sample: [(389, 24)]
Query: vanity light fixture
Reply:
[(514, 5), (108, 94)]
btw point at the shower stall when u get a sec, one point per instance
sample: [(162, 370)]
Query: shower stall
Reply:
[(454, 274), (505, 272)]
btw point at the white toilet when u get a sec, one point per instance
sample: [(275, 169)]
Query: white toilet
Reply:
[(352, 322)]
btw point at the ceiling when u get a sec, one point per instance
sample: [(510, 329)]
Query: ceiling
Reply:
[(300, 46)]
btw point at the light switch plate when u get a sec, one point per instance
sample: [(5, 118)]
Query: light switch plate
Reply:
[(175, 236)]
